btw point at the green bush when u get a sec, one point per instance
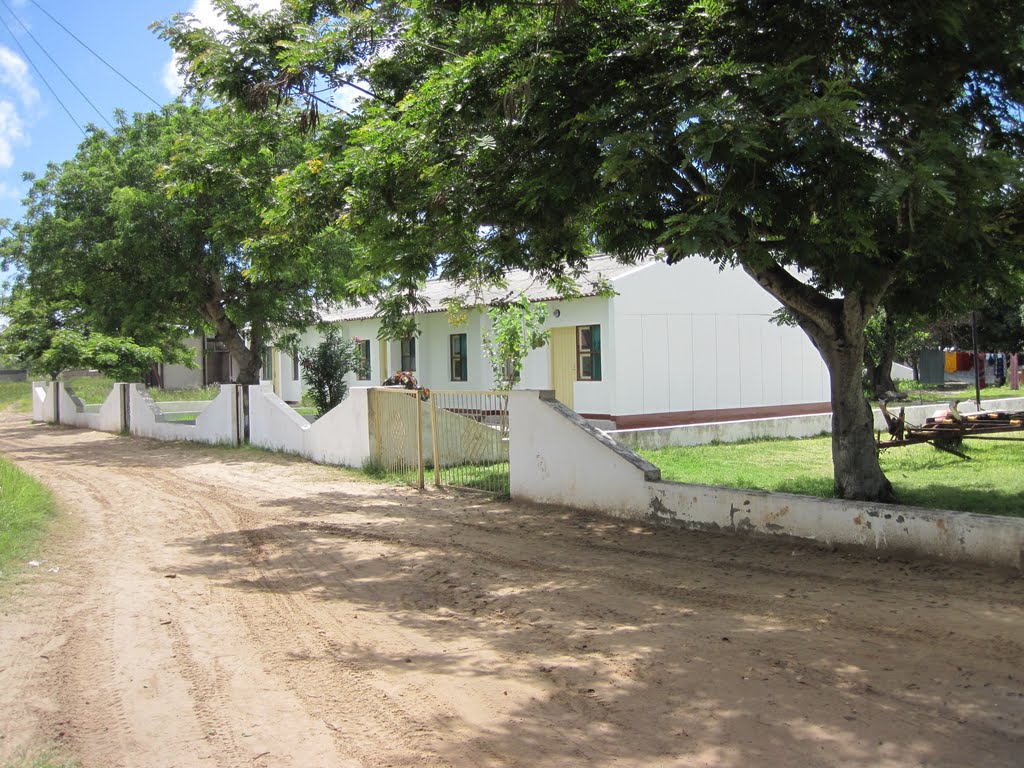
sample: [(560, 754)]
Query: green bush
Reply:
[(325, 366)]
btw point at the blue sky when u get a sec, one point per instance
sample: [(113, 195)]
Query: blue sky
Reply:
[(34, 128)]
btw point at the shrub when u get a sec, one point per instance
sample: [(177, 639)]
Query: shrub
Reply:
[(325, 366)]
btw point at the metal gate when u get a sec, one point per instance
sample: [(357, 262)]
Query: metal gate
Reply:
[(461, 437)]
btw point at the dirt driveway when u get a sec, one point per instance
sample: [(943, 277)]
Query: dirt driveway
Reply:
[(213, 607)]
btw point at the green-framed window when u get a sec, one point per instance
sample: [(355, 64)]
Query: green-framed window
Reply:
[(588, 352), (458, 350)]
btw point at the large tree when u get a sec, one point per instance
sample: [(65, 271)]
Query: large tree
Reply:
[(831, 149), (155, 228)]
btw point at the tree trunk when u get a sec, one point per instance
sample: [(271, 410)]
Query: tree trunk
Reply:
[(880, 373), (836, 328), (856, 471), (248, 358)]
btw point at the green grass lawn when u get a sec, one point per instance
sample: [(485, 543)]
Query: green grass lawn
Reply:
[(25, 510), (991, 482), (16, 396), (918, 394)]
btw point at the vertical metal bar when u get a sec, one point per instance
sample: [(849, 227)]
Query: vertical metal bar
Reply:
[(419, 438), (433, 440), (977, 374)]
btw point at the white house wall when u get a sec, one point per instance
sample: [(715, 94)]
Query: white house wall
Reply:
[(683, 338), (588, 396), (290, 386), (433, 352), (180, 376), (691, 337)]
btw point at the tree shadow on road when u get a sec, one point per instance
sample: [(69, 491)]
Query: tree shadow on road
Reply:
[(590, 640)]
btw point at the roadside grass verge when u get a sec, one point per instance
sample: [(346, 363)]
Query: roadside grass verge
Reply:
[(25, 509), (40, 757), (990, 483)]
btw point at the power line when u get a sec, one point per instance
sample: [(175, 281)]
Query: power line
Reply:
[(47, 54), (109, 66), (41, 75)]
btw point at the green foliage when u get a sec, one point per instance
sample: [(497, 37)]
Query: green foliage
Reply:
[(54, 337), (516, 330), (155, 230), (831, 150), (25, 508), (325, 366)]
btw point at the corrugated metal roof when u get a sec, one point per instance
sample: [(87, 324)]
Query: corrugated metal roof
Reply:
[(435, 292)]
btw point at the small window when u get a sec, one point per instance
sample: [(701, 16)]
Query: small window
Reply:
[(295, 366), (409, 354), (588, 352), (457, 347), (268, 365), (363, 365)]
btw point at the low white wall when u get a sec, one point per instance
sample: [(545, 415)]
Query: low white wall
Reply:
[(184, 406), (722, 432), (936, 533), (218, 423), (788, 426), (42, 401), (107, 417), (340, 436), (558, 459)]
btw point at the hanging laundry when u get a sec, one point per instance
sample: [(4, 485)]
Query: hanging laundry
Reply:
[(950, 362)]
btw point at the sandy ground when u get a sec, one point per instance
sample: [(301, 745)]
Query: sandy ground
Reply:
[(215, 607)]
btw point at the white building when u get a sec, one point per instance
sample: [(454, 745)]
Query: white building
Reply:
[(674, 344)]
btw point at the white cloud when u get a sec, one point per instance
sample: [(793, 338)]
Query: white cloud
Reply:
[(207, 16), (11, 132), (18, 94), (14, 74)]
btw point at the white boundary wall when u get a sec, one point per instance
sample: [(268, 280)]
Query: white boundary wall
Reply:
[(108, 417), (217, 424), (557, 458), (787, 426), (42, 401), (341, 436)]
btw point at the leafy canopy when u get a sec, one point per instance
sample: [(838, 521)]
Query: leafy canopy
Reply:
[(833, 150), (156, 229)]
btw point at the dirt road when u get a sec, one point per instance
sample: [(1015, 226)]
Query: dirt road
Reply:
[(213, 607)]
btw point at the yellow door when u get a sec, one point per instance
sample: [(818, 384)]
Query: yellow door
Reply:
[(382, 361), (563, 363), (275, 370)]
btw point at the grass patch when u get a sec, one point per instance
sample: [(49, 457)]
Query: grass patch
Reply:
[(493, 478), (16, 396), (990, 483), (25, 509), (919, 394), (381, 474), (179, 395), (188, 417), (40, 757), (91, 390)]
